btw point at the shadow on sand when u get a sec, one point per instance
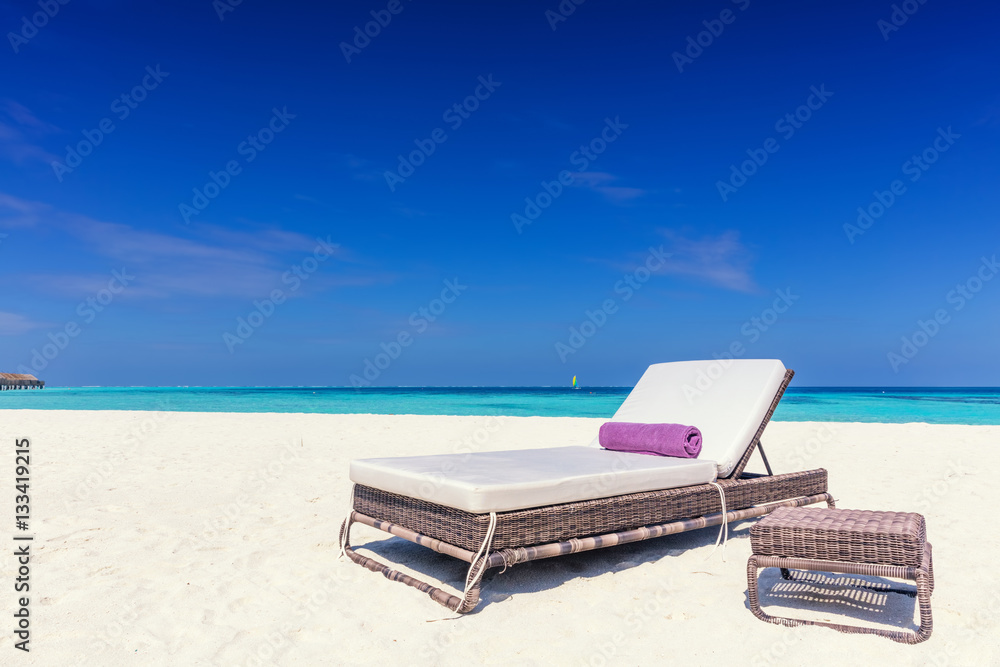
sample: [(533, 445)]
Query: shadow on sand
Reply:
[(838, 598), (539, 575)]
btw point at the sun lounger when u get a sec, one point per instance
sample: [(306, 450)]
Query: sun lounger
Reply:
[(498, 509)]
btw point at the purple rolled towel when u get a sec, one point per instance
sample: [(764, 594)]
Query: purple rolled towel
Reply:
[(657, 439)]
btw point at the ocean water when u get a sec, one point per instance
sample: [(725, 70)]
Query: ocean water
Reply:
[(868, 404)]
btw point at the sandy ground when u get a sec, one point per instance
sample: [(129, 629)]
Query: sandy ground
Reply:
[(211, 539)]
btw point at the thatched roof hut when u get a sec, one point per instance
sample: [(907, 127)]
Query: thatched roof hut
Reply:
[(20, 381)]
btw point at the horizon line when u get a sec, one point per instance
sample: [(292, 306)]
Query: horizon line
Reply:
[(464, 386)]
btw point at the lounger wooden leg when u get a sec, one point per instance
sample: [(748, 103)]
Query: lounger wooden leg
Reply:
[(461, 605)]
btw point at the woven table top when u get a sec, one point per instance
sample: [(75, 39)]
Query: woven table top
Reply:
[(855, 536)]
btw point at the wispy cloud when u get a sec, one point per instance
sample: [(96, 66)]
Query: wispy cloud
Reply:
[(600, 182), (13, 324), (208, 261), (15, 212), (78, 285), (20, 130), (311, 200), (591, 179), (723, 261), (619, 195), (23, 116)]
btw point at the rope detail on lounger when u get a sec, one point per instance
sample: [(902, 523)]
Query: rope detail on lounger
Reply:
[(508, 559), (724, 528), (472, 579)]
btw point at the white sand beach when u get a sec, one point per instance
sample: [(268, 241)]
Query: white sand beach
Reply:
[(211, 539)]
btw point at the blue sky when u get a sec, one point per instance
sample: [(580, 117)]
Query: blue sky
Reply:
[(245, 171)]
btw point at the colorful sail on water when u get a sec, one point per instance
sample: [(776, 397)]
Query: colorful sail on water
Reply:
[(574, 381)]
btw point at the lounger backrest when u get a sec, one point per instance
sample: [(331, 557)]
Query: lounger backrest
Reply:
[(727, 400)]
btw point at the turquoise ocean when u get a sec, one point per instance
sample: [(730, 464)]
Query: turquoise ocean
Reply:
[(844, 404)]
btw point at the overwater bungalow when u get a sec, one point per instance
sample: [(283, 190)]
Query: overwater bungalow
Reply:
[(20, 381)]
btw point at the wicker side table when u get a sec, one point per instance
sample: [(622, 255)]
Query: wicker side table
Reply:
[(858, 542)]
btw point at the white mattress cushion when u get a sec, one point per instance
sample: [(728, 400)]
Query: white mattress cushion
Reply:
[(484, 482), (726, 399)]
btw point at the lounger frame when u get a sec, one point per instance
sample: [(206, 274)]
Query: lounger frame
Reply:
[(855, 542), (525, 535)]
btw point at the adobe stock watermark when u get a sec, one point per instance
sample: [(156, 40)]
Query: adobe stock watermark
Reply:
[(112, 632), (231, 515), (604, 482), (696, 44), (419, 320), (31, 25), (260, 479), (581, 158), (787, 125), (223, 7), (778, 651), (381, 18), (249, 148), (806, 451), (915, 167), (755, 326), (937, 490), (469, 443), (751, 330), (313, 595), (125, 630), (562, 12), (645, 611), (100, 473), (88, 310), (121, 107), (294, 277), (595, 320), (442, 642), (455, 116), (979, 623), (958, 298), (901, 13)]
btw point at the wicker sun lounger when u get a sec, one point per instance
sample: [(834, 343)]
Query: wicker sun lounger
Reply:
[(633, 498)]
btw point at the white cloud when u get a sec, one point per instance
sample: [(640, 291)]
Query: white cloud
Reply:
[(15, 212), (721, 260), (19, 129), (599, 181), (207, 261), (13, 324)]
